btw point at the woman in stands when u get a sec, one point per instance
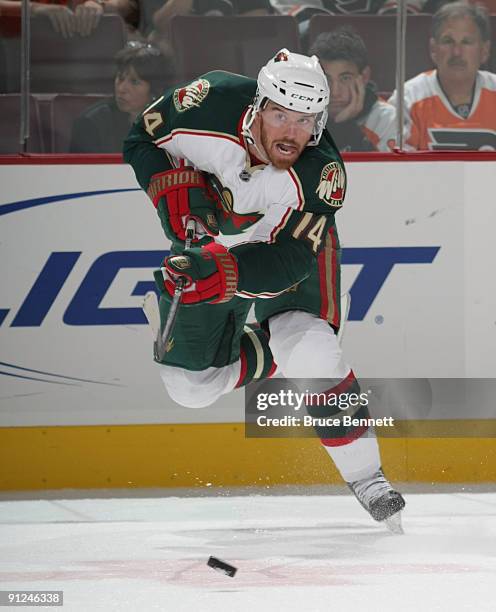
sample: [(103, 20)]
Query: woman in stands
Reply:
[(142, 75)]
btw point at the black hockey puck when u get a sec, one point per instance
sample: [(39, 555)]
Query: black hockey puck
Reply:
[(222, 566)]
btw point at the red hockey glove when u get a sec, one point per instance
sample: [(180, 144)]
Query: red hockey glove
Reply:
[(211, 274), (179, 195)]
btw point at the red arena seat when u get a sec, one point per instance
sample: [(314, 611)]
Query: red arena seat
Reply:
[(10, 63), (65, 109), (75, 65), (10, 125), (236, 44)]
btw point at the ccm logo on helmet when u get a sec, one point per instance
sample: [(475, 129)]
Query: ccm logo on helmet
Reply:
[(302, 97)]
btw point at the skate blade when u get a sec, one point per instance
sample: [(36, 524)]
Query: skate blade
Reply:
[(152, 313), (393, 523)]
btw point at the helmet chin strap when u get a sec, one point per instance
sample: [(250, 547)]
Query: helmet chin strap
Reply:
[(248, 120)]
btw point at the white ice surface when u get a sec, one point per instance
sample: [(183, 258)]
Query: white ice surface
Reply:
[(293, 553)]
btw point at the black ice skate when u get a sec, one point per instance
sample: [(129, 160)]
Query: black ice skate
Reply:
[(380, 500)]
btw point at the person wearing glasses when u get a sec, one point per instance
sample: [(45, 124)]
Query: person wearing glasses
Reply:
[(453, 108)]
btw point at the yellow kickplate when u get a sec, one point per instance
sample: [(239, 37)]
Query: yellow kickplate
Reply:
[(218, 454)]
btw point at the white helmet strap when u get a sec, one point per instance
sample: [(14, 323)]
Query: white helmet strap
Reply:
[(248, 120)]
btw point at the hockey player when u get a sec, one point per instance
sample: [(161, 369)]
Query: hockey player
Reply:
[(453, 107), (282, 180)]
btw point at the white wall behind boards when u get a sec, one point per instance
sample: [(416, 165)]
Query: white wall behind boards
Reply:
[(79, 243)]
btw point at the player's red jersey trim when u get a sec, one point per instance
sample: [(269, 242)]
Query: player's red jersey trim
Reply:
[(187, 132), (324, 299), (333, 315), (243, 368), (280, 225), (299, 188)]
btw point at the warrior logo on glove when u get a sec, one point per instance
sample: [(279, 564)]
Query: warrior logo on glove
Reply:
[(332, 184), (212, 222), (181, 262), (182, 194), (212, 274), (168, 180)]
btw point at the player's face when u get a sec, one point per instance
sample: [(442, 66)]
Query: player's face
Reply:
[(458, 51), (284, 134), (132, 94), (342, 76)]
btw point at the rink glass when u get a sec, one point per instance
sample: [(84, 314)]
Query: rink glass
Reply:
[(69, 74)]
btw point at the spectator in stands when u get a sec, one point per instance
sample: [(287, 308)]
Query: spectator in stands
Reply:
[(170, 8), (453, 106), (70, 18), (358, 119), (141, 76), (432, 6), (304, 11), (345, 7)]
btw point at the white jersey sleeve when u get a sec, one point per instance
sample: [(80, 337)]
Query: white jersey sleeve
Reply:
[(379, 126)]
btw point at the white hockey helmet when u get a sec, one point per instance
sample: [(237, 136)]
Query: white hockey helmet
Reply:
[(296, 82)]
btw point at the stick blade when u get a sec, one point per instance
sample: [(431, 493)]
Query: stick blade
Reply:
[(152, 312)]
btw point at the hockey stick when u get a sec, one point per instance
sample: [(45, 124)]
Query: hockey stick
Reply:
[(162, 339), (150, 304)]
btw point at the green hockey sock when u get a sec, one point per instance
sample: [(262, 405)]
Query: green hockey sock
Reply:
[(255, 355)]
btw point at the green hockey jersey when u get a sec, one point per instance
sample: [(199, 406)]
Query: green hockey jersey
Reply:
[(278, 221)]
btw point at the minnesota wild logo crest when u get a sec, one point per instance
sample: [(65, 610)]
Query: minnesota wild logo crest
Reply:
[(332, 184), (191, 95)]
